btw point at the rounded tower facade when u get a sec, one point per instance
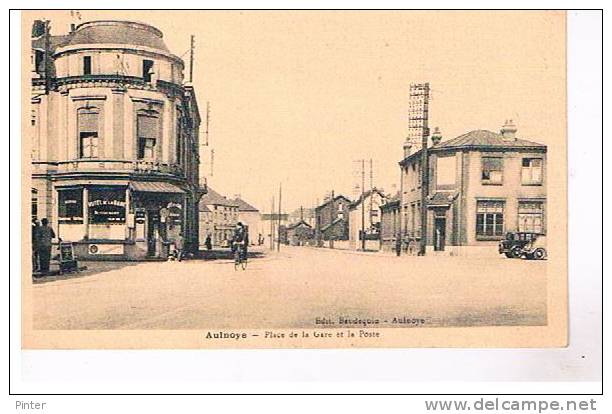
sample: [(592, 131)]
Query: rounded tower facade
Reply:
[(114, 136)]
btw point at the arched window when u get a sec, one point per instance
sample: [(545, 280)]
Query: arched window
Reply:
[(147, 131), (88, 132)]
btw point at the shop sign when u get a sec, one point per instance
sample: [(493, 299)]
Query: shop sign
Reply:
[(106, 207)]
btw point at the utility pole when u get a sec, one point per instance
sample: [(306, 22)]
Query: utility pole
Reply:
[(272, 225), (280, 195), (371, 191), (363, 205), (191, 55), (424, 170), (332, 217), (212, 161), (207, 120)]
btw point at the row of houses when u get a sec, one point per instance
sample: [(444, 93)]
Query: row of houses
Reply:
[(219, 215)]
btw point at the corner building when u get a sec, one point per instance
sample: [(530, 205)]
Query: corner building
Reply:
[(481, 185), (114, 140)]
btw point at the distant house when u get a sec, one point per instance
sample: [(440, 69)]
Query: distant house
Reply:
[(332, 219), (249, 215), (298, 234), (368, 208), (218, 218)]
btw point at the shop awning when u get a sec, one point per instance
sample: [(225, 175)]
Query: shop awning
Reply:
[(155, 187)]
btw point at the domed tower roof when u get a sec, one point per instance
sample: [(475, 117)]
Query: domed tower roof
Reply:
[(118, 32)]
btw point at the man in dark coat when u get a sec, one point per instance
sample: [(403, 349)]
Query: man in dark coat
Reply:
[(45, 241)]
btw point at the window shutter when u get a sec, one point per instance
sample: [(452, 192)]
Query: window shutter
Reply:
[(88, 121), (147, 126)]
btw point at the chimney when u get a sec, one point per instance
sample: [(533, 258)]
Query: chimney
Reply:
[(72, 27), (38, 28), (508, 131), (436, 137), (407, 148)]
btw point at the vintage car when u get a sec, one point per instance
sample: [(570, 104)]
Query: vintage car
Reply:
[(535, 249), (512, 246)]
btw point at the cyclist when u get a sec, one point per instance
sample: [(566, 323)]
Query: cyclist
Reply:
[(240, 240)]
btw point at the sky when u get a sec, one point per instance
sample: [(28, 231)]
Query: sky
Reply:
[(297, 98)]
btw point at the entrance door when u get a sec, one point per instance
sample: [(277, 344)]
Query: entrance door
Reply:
[(439, 233), (152, 232)]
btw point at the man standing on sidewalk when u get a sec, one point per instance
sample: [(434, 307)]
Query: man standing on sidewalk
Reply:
[(45, 240)]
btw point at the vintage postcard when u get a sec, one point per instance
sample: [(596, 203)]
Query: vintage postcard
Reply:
[(294, 179)]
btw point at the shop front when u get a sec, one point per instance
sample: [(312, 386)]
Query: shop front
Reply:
[(133, 221), (159, 218)]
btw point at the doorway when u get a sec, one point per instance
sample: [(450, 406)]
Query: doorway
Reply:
[(439, 233), (152, 232)]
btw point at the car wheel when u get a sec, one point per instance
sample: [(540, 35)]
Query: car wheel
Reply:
[(539, 254), (516, 252), (509, 255)]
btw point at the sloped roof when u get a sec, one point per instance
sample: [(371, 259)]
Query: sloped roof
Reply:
[(366, 195), (485, 138), (299, 223), (332, 224), (480, 139), (214, 198), (340, 196), (243, 205), (118, 32)]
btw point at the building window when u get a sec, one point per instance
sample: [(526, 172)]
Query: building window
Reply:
[(86, 65), (70, 205), (531, 171), (490, 219), (531, 216), (88, 132), (147, 70), (147, 131), (492, 170), (34, 204), (106, 205)]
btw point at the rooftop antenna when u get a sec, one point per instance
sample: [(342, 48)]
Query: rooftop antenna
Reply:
[(207, 120), (212, 161)]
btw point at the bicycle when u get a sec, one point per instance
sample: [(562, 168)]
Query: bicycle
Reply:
[(240, 257)]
